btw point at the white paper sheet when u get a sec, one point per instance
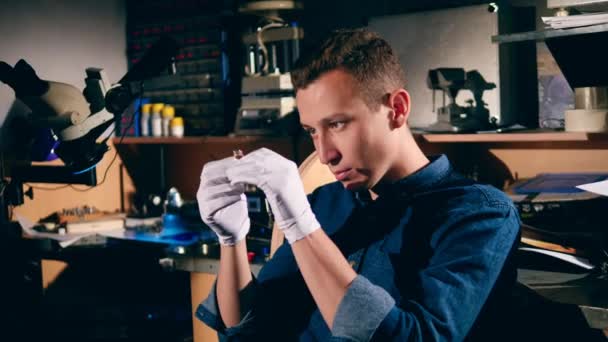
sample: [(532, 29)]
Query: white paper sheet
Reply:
[(578, 261), (600, 188), (579, 20), (64, 240)]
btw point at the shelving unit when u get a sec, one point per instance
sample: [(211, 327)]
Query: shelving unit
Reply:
[(573, 51), (520, 137), (191, 140), (547, 34), (157, 162), (201, 64), (500, 157)]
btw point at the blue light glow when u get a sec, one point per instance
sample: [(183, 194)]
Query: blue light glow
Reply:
[(85, 170)]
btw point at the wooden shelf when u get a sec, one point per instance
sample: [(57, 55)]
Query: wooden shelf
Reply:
[(514, 137), (195, 140), (519, 137)]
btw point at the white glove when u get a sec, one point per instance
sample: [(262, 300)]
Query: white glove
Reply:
[(278, 177), (223, 207)]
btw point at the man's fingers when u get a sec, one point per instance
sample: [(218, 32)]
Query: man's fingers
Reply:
[(209, 207), (217, 167), (212, 180), (260, 155), (246, 173), (220, 190)]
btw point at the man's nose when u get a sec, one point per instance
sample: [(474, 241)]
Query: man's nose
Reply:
[(328, 153)]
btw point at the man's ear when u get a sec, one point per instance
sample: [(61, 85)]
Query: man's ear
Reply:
[(399, 102)]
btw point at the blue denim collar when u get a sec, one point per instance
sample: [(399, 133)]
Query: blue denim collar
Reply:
[(424, 179)]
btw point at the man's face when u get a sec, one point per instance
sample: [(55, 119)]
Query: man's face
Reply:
[(354, 141)]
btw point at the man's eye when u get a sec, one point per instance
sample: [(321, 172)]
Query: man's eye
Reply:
[(337, 124), (310, 131)]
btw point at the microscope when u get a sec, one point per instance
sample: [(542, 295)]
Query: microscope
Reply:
[(76, 119), (453, 118)]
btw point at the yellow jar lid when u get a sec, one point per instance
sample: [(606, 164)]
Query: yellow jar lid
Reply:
[(177, 121), (168, 111), (146, 108), (157, 107)]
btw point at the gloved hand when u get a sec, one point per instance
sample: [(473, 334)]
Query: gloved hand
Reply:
[(278, 177), (223, 206)]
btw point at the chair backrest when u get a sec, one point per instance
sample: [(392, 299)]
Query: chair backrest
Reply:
[(313, 174)]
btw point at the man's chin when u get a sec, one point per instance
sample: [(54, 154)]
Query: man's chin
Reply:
[(354, 185)]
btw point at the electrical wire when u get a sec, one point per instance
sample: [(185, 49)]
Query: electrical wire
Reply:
[(105, 174), (124, 132), (45, 188), (263, 46), (274, 22)]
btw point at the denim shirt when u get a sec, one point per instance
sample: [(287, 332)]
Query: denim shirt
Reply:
[(434, 254)]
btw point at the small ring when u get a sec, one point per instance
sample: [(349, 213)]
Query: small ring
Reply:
[(238, 153)]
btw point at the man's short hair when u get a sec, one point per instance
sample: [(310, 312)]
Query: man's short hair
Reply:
[(363, 54)]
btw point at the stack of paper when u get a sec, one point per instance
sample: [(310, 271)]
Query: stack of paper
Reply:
[(64, 240), (579, 20), (572, 259), (99, 224)]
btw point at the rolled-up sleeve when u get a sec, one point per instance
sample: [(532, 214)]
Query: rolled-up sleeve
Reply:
[(278, 289), (209, 313), (362, 299), (470, 250), (280, 304)]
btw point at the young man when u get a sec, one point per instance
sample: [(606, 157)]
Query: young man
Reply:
[(399, 248)]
